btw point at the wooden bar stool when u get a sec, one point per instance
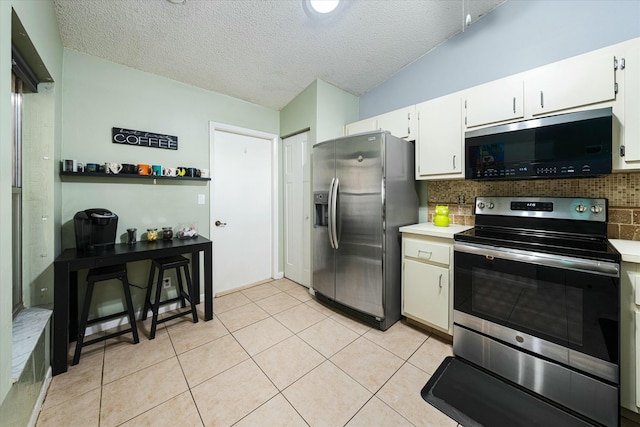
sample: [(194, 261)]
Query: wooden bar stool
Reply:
[(98, 275), (163, 264)]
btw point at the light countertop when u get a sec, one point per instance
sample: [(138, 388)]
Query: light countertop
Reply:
[(429, 229), (629, 249)]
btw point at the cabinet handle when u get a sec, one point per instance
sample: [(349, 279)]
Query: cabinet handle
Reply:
[(514, 105), (541, 99), (440, 281), (424, 252), (454, 161)]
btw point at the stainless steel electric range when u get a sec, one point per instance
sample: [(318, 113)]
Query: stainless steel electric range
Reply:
[(536, 314)]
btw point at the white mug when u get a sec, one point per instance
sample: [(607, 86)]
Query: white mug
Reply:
[(72, 166), (169, 172), (113, 168), (204, 173)]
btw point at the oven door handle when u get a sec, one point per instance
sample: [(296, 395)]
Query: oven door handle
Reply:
[(602, 268)]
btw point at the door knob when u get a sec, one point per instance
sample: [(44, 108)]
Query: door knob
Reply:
[(220, 224)]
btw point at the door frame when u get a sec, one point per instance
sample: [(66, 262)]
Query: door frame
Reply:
[(275, 194)]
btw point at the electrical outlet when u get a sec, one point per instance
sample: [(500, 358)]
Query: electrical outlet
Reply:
[(166, 282)]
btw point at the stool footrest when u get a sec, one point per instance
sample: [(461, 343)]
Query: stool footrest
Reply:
[(175, 316), (108, 317), (171, 262), (106, 337)]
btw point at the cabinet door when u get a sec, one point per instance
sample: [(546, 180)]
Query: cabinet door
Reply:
[(439, 143), (398, 122), (574, 82), (630, 132), (365, 125), (425, 295), (493, 102), (637, 362)]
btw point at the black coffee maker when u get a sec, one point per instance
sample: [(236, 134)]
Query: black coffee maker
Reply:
[(95, 229)]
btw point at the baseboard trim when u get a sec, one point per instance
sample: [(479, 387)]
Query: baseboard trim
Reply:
[(124, 319), (35, 413)]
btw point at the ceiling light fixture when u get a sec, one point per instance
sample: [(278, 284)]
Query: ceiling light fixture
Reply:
[(320, 8), (324, 6)]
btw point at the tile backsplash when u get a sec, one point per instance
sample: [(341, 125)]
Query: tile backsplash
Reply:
[(621, 189)]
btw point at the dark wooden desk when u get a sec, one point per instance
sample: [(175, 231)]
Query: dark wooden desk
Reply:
[(66, 266)]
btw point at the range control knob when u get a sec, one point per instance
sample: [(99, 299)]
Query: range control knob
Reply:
[(480, 205), (581, 208), (490, 205), (596, 209)]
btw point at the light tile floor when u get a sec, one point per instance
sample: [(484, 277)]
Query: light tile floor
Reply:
[(272, 356)]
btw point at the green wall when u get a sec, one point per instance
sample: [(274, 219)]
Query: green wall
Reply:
[(43, 137), (335, 108), (322, 108), (300, 113), (99, 95)]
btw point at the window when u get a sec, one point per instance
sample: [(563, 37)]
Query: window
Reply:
[(16, 192)]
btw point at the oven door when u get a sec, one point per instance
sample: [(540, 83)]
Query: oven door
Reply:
[(562, 308)]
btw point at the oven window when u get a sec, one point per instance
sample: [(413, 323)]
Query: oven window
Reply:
[(526, 303), (573, 309)]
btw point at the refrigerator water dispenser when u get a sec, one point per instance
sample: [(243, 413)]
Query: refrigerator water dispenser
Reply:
[(321, 204)]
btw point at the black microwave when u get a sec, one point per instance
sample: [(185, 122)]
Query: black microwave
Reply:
[(563, 146)]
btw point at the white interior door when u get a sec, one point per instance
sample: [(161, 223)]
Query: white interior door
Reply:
[(242, 209), (297, 234)]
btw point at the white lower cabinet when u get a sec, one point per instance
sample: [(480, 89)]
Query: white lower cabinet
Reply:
[(630, 336), (426, 281), (426, 296)]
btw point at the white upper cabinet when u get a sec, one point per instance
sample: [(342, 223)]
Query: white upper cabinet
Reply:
[(440, 138), (571, 83), (365, 125), (398, 123), (627, 108), (493, 102)]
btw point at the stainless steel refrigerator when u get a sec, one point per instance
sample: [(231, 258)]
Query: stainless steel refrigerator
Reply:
[(363, 191)]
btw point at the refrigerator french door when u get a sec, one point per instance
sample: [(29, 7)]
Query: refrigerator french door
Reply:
[(356, 241)]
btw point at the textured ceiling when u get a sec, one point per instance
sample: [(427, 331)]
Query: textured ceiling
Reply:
[(263, 51)]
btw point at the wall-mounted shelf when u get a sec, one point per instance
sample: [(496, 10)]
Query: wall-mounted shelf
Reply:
[(131, 176)]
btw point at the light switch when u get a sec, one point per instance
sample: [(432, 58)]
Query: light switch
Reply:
[(201, 199)]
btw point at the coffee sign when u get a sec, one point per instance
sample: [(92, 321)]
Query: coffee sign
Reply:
[(143, 139)]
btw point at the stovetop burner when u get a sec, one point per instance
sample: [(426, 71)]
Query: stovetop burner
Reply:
[(564, 226)]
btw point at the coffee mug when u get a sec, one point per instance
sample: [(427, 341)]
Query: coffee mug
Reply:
[(128, 168), (112, 168), (191, 172), (156, 170), (181, 171), (169, 172), (144, 169), (91, 167), (204, 173)]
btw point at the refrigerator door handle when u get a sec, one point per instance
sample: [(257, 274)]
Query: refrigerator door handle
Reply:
[(330, 218), (334, 212)]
